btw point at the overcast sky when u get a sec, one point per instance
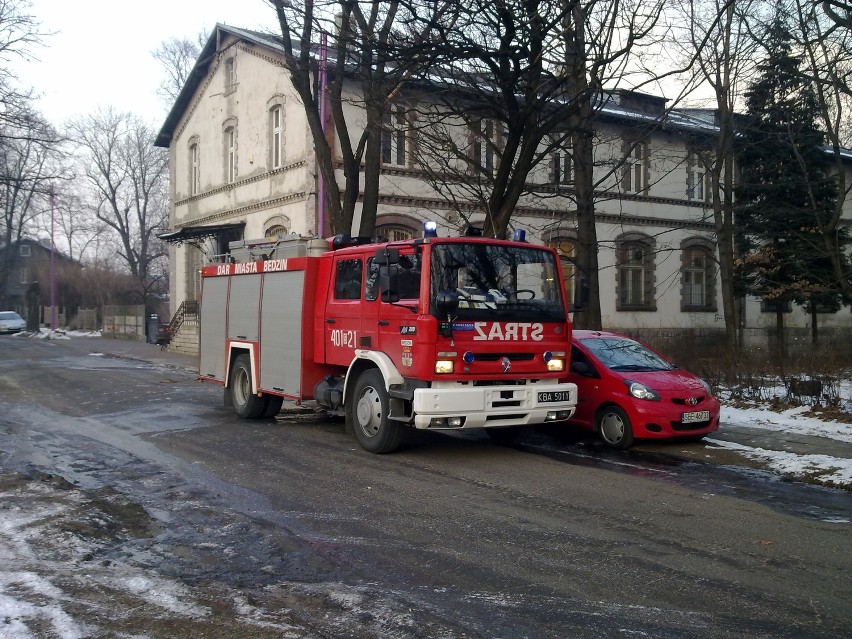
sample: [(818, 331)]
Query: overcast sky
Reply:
[(100, 53)]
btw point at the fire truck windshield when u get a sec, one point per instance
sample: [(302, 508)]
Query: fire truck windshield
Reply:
[(494, 281)]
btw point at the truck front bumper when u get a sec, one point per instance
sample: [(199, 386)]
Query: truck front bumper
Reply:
[(449, 405)]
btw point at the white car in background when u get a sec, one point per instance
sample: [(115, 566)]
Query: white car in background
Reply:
[(11, 322)]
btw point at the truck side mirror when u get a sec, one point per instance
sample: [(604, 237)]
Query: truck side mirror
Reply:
[(447, 302), (386, 256), (390, 297)]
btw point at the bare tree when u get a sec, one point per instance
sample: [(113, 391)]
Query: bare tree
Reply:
[(827, 63), (365, 67), (25, 178), (525, 81), (20, 33), (127, 181), (838, 11), (717, 35), (177, 56)]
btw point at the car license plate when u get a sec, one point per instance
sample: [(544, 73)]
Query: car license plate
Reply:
[(554, 396), (696, 417)]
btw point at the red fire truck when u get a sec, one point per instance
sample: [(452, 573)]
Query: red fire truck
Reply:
[(430, 333)]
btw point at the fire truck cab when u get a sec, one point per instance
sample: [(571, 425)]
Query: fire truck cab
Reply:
[(431, 333)]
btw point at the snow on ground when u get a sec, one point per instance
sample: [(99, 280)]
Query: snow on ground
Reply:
[(826, 469)]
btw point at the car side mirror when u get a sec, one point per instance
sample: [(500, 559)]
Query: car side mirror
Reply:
[(583, 369)]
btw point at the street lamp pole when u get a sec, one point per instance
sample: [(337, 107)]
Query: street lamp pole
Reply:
[(52, 263)]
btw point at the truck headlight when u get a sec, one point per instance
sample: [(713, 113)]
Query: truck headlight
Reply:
[(444, 366), (556, 365), (555, 361)]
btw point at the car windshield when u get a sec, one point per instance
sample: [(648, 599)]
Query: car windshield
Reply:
[(623, 354), (498, 281), (9, 315)]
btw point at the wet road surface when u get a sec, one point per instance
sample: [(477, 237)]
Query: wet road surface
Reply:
[(286, 528)]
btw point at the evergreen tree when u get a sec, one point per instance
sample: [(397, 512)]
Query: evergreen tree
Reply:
[(785, 188)]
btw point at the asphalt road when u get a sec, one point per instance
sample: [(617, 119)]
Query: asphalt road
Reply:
[(450, 537)]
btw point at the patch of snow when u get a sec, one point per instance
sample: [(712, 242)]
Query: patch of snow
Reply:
[(791, 420)]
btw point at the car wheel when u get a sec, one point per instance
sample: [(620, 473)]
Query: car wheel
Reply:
[(508, 435), (246, 403), (368, 415), (614, 427)]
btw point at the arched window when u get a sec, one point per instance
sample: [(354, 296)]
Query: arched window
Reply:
[(276, 136), (634, 257), (396, 228), (230, 154), (276, 231), (194, 169), (566, 248), (698, 276)]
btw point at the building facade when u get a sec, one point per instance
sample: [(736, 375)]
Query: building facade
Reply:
[(25, 270), (243, 167)]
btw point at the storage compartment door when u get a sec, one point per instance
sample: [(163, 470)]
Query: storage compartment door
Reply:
[(212, 330), (281, 321)]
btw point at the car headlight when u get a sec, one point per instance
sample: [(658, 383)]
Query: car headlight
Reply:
[(640, 391), (706, 387)]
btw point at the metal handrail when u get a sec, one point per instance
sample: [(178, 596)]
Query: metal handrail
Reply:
[(187, 307)]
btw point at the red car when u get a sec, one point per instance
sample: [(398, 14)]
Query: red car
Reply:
[(627, 391)]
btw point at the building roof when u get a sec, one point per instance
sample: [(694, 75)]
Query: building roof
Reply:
[(200, 70), (619, 104), (45, 248)]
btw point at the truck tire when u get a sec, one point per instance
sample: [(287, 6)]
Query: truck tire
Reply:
[(368, 415), (273, 405), (246, 403)]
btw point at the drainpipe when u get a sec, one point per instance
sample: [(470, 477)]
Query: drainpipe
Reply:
[(323, 82)]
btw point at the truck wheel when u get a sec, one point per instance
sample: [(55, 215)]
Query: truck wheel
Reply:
[(508, 435), (368, 414), (246, 404), (614, 428)]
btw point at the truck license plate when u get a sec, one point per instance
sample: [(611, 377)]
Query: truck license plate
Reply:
[(554, 396), (696, 417)]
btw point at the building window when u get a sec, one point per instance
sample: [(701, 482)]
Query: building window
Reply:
[(394, 232), (567, 252), (230, 75), (394, 137), (561, 167), (24, 250), (24, 276), (773, 306), (194, 169), (635, 175), (484, 147), (276, 231), (635, 273), (230, 154), (276, 136), (698, 278), (697, 177)]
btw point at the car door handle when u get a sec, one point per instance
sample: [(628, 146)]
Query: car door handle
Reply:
[(384, 323), (330, 321)]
